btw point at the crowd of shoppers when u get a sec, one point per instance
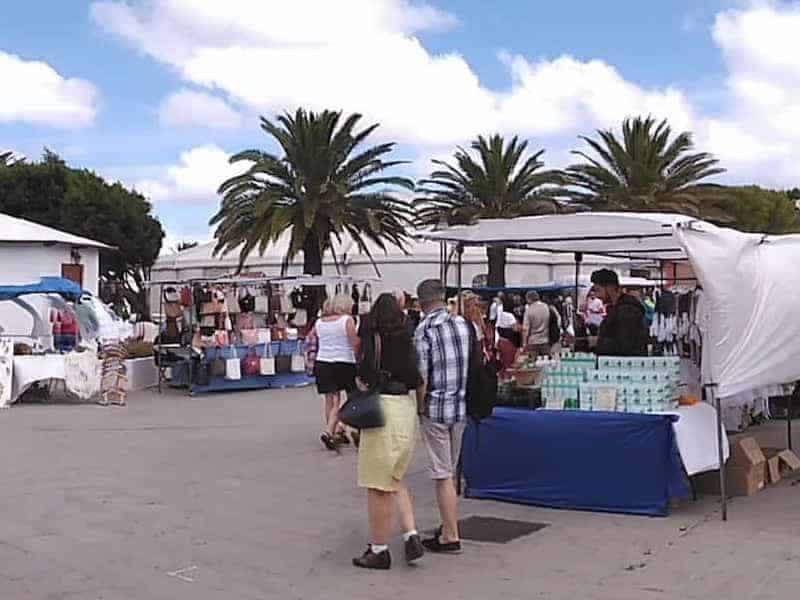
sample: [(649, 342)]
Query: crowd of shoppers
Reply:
[(414, 353)]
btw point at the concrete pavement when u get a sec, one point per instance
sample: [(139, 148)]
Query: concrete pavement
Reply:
[(231, 496)]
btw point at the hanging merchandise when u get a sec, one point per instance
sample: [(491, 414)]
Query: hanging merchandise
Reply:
[(356, 300), (262, 304), (246, 320), (232, 302), (267, 363), (247, 302), (301, 317), (208, 321), (249, 336), (171, 295), (171, 334), (233, 368), (296, 298), (365, 305), (264, 336), (228, 324), (221, 338), (82, 374), (251, 364), (186, 296)]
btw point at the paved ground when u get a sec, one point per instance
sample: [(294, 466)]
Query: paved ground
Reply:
[(230, 497)]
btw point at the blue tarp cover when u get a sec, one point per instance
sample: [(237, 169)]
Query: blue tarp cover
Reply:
[(47, 285), (612, 462)]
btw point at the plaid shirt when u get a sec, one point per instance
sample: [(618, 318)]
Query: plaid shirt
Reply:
[(442, 342)]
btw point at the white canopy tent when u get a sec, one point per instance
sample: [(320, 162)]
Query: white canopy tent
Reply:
[(749, 280)]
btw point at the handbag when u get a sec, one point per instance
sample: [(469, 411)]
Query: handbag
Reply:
[(171, 295), (266, 366), (363, 410), (283, 363), (251, 365), (221, 338), (232, 303), (301, 317), (173, 310), (218, 367), (200, 372), (298, 361), (264, 336), (186, 296), (261, 304), (247, 302), (246, 320), (233, 368), (365, 304), (250, 337)]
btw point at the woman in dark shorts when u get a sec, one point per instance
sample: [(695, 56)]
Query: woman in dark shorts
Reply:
[(335, 364)]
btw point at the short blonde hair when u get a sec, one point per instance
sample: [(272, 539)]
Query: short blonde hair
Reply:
[(326, 308), (341, 304)]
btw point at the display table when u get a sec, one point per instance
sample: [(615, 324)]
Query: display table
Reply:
[(32, 369), (612, 462)]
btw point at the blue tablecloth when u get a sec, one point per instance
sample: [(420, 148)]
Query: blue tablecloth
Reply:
[(612, 462), (254, 382)]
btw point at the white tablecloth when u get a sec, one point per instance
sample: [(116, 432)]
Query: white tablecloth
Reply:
[(694, 435), (30, 369)]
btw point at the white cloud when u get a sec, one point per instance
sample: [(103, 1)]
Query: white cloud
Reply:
[(362, 55), (34, 92), (758, 135), (188, 108), (194, 179)]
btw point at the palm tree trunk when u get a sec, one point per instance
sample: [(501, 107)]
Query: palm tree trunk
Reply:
[(497, 266), (312, 256)]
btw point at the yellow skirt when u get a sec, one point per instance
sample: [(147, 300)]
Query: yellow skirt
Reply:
[(385, 452)]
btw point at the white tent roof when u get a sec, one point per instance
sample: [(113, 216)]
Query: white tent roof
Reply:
[(623, 235), (347, 252), (22, 231)]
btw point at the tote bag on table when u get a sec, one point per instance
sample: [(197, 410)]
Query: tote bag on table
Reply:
[(267, 362), (233, 368), (298, 361), (251, 364)]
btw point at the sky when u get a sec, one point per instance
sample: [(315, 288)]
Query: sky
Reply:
[(159, 93)]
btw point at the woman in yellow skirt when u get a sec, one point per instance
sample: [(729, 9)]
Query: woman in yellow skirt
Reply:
[(386, 452)]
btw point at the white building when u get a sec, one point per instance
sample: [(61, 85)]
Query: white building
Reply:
[(395, 268), (29, 251)]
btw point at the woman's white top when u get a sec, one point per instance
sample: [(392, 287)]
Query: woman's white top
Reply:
[(334, 343)]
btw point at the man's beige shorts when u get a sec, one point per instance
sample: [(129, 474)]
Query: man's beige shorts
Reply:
[(444, 446)]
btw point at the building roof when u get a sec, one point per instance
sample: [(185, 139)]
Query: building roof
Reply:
[(14, 230)]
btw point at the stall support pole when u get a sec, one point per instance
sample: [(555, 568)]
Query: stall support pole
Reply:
[(460, 253), (578, 261), (442, 257), (789, 407), (712, 388), (160, 340)]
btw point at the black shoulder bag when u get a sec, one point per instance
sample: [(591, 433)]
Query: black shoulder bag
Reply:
[(363, 409)]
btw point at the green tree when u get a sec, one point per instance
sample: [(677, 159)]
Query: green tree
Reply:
[(648, 170), (323, 185), (80, 202), (762, 211), (501, 181)]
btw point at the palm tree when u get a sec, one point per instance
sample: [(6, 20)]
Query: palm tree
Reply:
[(323, 185), (7, 159), (502, 183), (646, 171)]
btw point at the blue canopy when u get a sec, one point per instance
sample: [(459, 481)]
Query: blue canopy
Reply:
[(47, 285)]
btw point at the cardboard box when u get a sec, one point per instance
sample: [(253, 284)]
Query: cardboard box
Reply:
[(746, 453), (739, 481), (779, 462)]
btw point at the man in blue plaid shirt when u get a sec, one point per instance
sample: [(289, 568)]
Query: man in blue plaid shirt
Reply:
[(442, 342)]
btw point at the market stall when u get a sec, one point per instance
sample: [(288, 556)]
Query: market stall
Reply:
[(242, 333), (52, 331), (743, 277)]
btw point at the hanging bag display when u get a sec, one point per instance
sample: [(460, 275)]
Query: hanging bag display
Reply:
[(218, 366), (233, 368), (267, 363), (232, 303), (301, 317)]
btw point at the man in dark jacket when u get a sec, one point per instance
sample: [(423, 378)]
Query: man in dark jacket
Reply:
[(623, 332)]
